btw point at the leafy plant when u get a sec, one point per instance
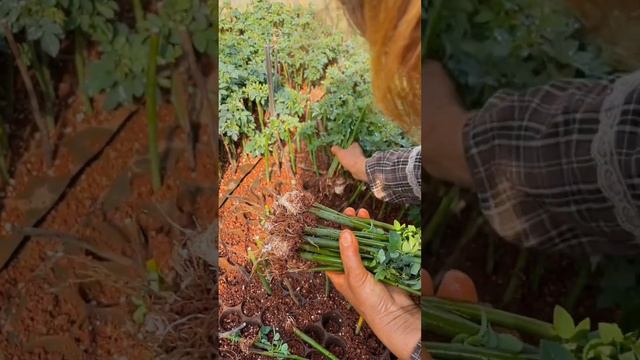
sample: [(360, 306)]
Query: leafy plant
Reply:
[(391, 252), (121, 69), (305, 56), (276, 346), (470, 327), (41, 21), (269, 343), (489, 45)]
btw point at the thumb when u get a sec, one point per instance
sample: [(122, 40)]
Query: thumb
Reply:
[(354, 270), (336, 150)]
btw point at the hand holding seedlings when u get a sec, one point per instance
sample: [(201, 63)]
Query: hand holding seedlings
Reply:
[(389, 311), (352, 159)]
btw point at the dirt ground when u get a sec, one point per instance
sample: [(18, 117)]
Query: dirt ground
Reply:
[(305, 302), (68, 291)]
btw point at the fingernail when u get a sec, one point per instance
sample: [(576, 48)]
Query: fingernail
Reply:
[(350, 211), (364, 213)]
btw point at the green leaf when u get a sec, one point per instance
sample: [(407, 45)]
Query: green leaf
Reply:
[(395, 241), (563, 323), (627, 356), (610, 333), (200, 41), (50, 44), (140, 314), (584, 325), (510, 343), (550, 350)]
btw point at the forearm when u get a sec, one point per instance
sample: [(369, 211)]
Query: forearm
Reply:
[(545, 163), (395, 176)]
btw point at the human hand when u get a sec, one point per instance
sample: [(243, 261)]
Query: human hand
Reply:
[(352, 159), (455, 286), (442, 133), (389, 311)]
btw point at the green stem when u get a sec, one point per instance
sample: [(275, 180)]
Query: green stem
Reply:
[(335, 244), (304, 337), (382, 211), (326, 268), (359, 190), (446, 351), (353, 222), (335, 234), (537, 273), (316, 250), (44, 79), (80, 61), (259, 270), (270, 353), (516, 278), (439, 217), (292, 153), (267, 166), (364, 240), (491, 255), (332, 262), (349, 140), (366, 197), (580, 283), (152, 112), (496, 317), (138, 10), (278, 356), (445, 323)]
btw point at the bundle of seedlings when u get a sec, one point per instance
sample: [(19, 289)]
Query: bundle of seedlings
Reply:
[(392, 252), (481, 332)]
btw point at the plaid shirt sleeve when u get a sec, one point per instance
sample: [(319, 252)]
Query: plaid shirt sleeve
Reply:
[(417, 352), (395, 175), (558, 166)]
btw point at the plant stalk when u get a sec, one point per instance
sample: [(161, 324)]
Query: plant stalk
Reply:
[(138, 11), (33, 98), (496, 317), (152, 112), (448, 351), (304, 337)]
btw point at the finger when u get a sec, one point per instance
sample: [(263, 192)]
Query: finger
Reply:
[(355, 273), (363, 214), (427, 283), (339, 282), (336, 150), (457, 286), (349, 211)]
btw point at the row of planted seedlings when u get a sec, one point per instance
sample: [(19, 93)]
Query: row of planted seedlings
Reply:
[(288, 83), (123, 62)]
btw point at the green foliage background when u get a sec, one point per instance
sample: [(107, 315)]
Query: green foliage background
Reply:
[(307, 54)]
